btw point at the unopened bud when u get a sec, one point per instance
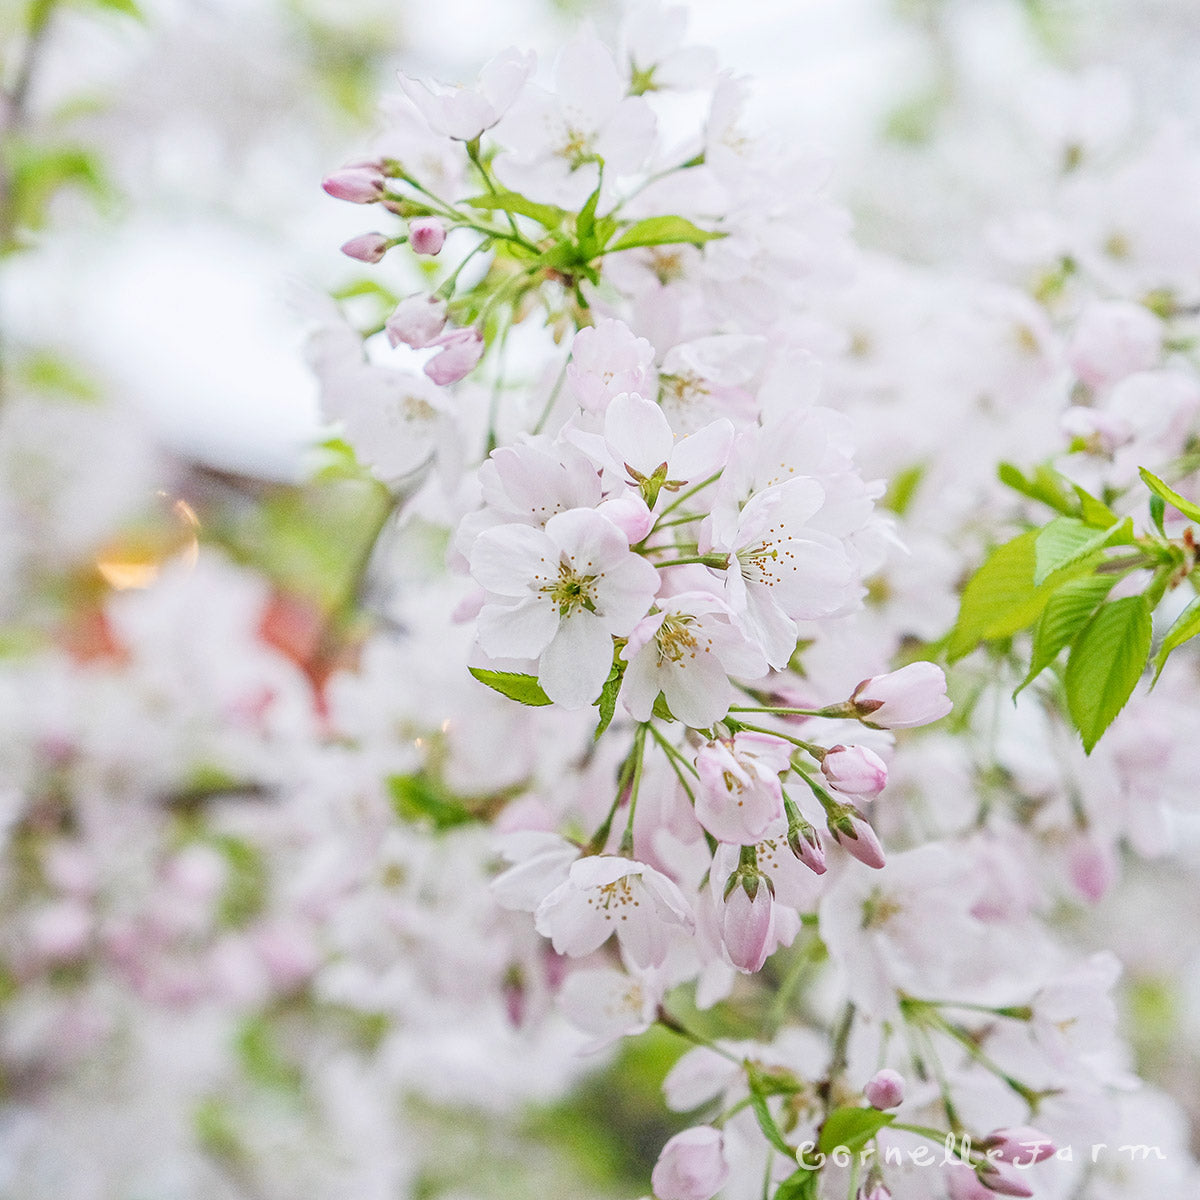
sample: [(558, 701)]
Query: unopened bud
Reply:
[(1022, 1145), (999, 1178), (805, 844), (367, 247), (855, 835), (461, 351), (417, 322), (359, 185), (914, 695), (885, 1089), (855, 770), (427, 235)]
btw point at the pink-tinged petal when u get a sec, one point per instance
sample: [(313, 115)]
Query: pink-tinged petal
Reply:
[(575, 665), (746, 927), (510, 559), (641, 685), (643, 939), (628, 512), (703, 454), (573, 927), (626, 592), (523, 630), (637, 432), (700, 693), (597, 870), (593, 542), (643, 633)]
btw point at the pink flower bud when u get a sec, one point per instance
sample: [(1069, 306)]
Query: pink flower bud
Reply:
[(806, 845), (417, 322), (359, 185), (628, 512), (963, 1184), (1022, 1145), (746, 927), (855, 770), (914, 695), (691, 1166), (885, 1089), (1001, 1179), (461, 350), (859, 840), (367, 247), (427, 235)]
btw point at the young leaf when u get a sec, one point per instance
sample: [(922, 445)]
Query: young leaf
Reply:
[(1066, 613), (1105, 664), (417, 798), (1001, 596), (852, 1128), (545, 215), (1095, 512), (585, 226), (1186, 626), (1044, 485), (800, 1185), (1066, 540), (766, 1122), (1169, 494), (524, 688), (607, 700), (662, 231), (1158, 510)]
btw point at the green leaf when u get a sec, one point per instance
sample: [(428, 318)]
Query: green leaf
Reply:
[(1095, 512), (1065, 614), (607, 700), (1158, 510), (524, 688), (1169, 494), (1186, 626), (1044, 484), (902, 488), (125, 7), (417, 798), (852, 1128), (585, 225), (662, 231), (766, 1122), (800, 1185), (1001, 597), (661, 709), (1066, 540), (546, 215), (1105, 664)]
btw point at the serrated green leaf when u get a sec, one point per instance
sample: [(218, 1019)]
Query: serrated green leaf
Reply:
[(1105, 664), (546, 215), (1065, 614), (801, 1185), (607, 700), (1169, 494), (522, 688), (1095, 512), (1001, 597), (1065, 541), (1186, 626), (662, 231)]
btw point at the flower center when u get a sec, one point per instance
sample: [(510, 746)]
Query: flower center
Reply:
[(674, 639), (571, 591)]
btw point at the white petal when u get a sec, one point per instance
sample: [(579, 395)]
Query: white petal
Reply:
[(577, 662)]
